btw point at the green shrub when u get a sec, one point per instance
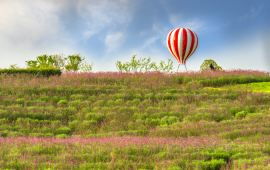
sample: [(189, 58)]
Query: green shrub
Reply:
[(4, 133), (20, 100), (144, 65), (74, 124), (210, 65), (77, 97), (231, 80), (174, 167), (45, 150), (152, 122), (63, 130), (240, 115), (218, 154), (73, 62), (214, 164), (197, 117), (61, 136), (75, 103), (34, 72), (95, 117), (62, 102), (168, 120)]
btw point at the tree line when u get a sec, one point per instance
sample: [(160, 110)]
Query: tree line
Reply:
[(73, 62), (78, 63)]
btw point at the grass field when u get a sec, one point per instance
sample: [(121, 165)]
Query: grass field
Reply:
[(217, 120), (263, 87)]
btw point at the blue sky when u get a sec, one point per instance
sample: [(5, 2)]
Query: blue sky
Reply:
[(235, 33)]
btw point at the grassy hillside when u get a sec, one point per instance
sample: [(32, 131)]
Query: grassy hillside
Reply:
[(131, 121)]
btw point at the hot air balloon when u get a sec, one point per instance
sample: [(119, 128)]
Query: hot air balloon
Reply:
[(182, 43)]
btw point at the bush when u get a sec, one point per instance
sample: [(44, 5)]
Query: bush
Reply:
[(231, 80), (62, 102), (214, 164), (34, 72), (210, 65), (73, 62), (63, 130), (144, 65), (241, 115), (217, 155), (168, 120)]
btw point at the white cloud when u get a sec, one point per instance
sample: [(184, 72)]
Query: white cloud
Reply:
[(32, 27), (103, 14), (149, 42), (114, 41), (29, 28), (194, 24)]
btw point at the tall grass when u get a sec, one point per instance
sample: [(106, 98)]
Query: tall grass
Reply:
[(134, 120)]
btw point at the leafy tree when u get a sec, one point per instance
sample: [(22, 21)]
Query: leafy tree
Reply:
[(32, 64), (133, 66), (148, 65), (122, 67), (71, 63), (165, 67), (44, 61), (77, 63), (210, 65), (144, 65), (85, 67), (59, 61)]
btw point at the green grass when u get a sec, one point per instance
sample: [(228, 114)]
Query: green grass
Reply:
[(263, 87), (33, 72), (223, 106), (99, 156)]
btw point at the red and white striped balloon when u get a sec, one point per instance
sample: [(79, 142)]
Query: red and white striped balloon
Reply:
[(182, 43)]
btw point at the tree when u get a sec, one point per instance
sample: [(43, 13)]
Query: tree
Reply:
[(77, 63), (59, 61), (85, 67), (166, 67), (45, 61), (32, 64), (144, 65), (210, 65), (133, 66), (71, 63), (122, 67)]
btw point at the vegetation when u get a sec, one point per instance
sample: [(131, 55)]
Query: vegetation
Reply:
[(206, 120), (144, 65), (254, 87), (70, 63), (210, 65), (34, 71), (64, 154)]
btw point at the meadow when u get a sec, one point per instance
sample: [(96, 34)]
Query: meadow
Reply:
[(194, 120)]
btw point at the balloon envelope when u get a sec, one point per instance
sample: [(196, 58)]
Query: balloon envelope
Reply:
[(182, 43)]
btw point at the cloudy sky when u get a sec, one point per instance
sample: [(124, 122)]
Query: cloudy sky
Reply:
[(235, 33)]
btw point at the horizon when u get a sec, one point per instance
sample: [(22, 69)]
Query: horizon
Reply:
[(235, 36)]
